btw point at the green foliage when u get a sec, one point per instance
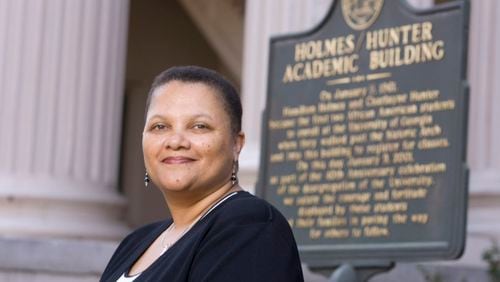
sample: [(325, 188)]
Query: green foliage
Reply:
[(492, 257), (429, 276)]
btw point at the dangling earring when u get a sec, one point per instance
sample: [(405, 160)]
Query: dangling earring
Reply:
[(234, 177), (146, 179)]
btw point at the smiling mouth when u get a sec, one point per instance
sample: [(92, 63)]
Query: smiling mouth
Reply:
[(177, 160)]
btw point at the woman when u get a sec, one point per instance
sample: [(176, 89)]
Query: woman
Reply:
[(191, 143)]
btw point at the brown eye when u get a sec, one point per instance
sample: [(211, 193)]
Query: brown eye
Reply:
[(158, 126), (200, 126)]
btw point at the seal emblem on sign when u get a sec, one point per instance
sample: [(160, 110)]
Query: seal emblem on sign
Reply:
[(360, 14)]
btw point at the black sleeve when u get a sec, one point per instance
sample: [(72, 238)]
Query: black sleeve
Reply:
[(248, 248)]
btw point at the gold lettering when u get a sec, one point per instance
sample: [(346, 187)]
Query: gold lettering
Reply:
[(329, 187), (427, 144), (399, 218), (331, 221), (437, 106), (400, 134), (308, 132), (390, 207), (336, 233), (409, 194), (334, 174), (334, 140), (397, 110), (419, 96), (298, 111), (358, 138), (319, 49), (331, 107), (361, 115), (307, 200), (281, 124), (422, 168), (410, 181), (277, 158), (406, 55), (363, 161), (342, 94), (355, 197), (293, 156), (374, 219), (375, 231), (336, 152), (321, 68), (416, 121), (308, 143), (336, 163), (430, 131), (288, 201), (315, 211), (359, 209), (386, 100), (287, 145), (382, 148), (402, 157), (304, 222), (421, 218), (378, 124)]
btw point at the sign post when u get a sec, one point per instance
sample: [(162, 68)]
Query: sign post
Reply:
[(364, 134)]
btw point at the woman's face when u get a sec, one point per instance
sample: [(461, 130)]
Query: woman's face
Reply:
[(187, 140)]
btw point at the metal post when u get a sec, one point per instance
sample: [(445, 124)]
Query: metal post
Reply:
[(345, 273), (359, 272)]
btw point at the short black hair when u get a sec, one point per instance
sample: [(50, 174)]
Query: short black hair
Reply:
[(211, 78)]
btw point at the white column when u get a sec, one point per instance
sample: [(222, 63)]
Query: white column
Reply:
[(484, 117), (484, 126), (61, 88)]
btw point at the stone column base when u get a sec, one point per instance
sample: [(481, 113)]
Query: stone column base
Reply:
[(53, 260), (55, 208)]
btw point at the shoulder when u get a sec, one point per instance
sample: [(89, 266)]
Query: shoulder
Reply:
[(246, 208), (138, 237), (144, 231), (246, 239)]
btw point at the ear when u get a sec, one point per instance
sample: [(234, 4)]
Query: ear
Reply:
[(239, 142)]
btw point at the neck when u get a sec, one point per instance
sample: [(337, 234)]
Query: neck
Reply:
[(186, 210)]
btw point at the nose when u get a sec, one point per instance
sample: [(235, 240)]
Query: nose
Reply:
[(176, 140)]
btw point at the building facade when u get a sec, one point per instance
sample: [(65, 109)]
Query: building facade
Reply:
[(73, 81)]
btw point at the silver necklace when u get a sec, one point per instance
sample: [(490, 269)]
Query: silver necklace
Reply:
[(166, 246)]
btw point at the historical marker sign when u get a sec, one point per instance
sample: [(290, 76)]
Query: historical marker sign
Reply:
[(364, 134)]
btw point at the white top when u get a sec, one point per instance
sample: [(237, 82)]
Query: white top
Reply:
[(126, 278)]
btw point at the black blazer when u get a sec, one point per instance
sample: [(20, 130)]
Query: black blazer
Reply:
[(242, 239)]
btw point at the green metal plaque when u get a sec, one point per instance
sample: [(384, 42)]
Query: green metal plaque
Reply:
[(364, 133)]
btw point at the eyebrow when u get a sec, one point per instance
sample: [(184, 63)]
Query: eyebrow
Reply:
[(195, 116)]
